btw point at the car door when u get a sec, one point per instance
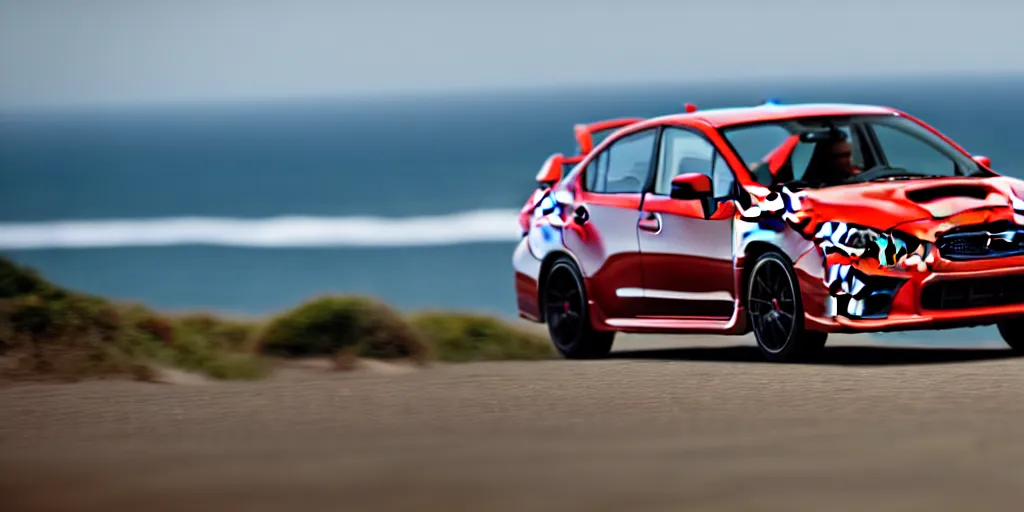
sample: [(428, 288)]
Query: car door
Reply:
[(686, 244), (603, 234)]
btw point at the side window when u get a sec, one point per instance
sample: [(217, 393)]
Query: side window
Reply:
[(682, 151), (622, 168), (722, 178), (596, 172), (905, 151)]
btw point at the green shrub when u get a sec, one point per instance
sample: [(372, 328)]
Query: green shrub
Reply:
[(19, 281), (221, 333), (66, 336), (456, 337), (327, 325), (51, 332)]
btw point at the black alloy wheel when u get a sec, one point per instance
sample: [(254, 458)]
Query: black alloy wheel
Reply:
[(567, 317), (1012, 332), (776, 312)]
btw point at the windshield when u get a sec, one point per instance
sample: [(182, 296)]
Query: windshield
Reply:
[(824, 152)]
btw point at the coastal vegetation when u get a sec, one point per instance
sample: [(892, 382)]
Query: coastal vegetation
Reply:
[(51, 332)]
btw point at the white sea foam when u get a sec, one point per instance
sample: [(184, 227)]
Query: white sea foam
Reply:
[(288, 231)]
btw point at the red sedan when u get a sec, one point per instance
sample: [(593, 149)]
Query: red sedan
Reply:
[(789, 221)]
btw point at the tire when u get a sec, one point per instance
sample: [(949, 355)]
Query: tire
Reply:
[(564, 299), (1012, 331), (776, 312)]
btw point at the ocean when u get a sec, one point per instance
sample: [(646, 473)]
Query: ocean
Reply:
[(251, 208)]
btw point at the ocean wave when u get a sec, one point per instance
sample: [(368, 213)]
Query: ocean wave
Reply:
[(287, 231)]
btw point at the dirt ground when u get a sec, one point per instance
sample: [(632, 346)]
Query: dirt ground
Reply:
[(705, 426)]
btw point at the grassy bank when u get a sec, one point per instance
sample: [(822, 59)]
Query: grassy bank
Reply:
[(49, 332)]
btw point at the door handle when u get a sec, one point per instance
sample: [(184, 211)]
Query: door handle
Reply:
[(650, 221)]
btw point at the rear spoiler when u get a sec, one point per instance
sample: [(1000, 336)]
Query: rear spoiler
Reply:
[(551, 170), (557, 164), (585, 132), (555, 167)]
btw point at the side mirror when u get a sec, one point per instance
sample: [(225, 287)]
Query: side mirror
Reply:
[(691, 185), (551, 170), (985, 161)]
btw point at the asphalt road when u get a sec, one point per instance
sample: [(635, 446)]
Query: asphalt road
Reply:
[(663, 429)]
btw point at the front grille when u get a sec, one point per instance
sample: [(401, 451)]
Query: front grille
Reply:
[(973, 293), (978, 244)]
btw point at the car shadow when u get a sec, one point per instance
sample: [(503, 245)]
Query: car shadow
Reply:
[(837, 356)]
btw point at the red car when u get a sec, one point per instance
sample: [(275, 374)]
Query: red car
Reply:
[(789, 221)]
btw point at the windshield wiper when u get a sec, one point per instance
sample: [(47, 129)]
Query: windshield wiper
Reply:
[(880, 172), (905, 176)]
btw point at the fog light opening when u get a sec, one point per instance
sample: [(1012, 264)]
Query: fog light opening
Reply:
[(873, 300)]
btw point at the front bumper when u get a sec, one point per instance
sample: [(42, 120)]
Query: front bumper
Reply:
[(950, 295)]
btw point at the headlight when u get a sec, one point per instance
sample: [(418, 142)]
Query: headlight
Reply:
[(892, 248), (859, 238), (904, 251), (849, 239)]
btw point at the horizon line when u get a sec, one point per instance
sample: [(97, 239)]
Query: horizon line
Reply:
[(485, 91)]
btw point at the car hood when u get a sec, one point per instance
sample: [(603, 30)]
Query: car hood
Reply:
[(923, 208)]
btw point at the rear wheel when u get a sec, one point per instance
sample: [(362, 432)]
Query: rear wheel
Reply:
[(1012, 331), (568, 317), (776, 312)]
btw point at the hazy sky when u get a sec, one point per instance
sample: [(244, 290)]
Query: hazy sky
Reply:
[(114, 51)]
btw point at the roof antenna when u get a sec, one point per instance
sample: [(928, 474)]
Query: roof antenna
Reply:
[(690, 108)]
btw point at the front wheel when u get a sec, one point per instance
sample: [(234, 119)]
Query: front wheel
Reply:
[(568, 317), (776, 312), (1012, 332)]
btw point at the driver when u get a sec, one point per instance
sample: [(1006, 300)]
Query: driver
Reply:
[(832, 161)]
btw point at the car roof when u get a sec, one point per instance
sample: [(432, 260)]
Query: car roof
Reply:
[(723, 117)]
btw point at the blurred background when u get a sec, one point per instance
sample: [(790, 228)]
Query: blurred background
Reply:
[(243, 156)]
